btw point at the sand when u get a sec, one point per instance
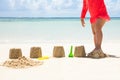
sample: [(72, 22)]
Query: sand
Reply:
[(67, 69), (21, 62), (64, 68)]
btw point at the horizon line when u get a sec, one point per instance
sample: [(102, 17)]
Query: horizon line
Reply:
[(50, 17)]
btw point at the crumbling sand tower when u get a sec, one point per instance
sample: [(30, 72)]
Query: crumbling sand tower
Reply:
[(58, 51), (15, 53), (35, 52), (79, 51)]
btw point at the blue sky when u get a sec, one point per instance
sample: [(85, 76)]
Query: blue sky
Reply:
[(50, 8)]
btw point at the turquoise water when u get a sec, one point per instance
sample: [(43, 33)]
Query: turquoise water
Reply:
[(46, 29)]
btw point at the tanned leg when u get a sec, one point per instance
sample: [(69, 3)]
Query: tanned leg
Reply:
[(98, 35)]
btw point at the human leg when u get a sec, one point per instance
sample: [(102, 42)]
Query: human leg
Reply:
[(97, 33)]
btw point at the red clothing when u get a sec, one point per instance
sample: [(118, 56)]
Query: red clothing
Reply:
[(96, 8)]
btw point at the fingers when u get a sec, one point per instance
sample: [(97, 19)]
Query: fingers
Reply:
[(83, 22)]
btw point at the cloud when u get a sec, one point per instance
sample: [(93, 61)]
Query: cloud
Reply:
[(44, 4), (12, 3), (57, 2), (53, 7), (69, 3), (113, 7)]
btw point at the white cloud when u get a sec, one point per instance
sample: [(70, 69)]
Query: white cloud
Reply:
[(22, 2), (33, 5), (113, 7), (12, 3), (60, 6), (44, 4), (57, 2), (69, 3), (30, 4)]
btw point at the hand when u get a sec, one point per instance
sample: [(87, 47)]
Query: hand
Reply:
[(83, 22)]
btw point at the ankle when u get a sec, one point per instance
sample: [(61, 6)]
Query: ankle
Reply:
[(97, 48)]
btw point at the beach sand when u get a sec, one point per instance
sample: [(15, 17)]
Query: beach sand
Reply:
[(67, 69), (63, 68)]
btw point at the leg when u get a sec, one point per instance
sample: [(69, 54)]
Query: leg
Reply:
[(97, 32), (94, 37)]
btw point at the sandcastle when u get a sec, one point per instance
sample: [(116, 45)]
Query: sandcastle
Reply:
[(58, 51), (21, 62), (79, 51), (15, 53), (35, 52)]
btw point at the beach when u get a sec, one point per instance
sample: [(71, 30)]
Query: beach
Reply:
[(67, 69), (27, 34), (63, 68)]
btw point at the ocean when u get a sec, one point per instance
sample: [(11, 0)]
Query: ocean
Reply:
[(46, 33), (34, 30)]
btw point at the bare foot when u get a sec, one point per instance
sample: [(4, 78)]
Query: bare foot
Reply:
[(97, 54)]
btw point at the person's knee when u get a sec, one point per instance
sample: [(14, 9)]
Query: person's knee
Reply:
[(98, 26), (98, 30)]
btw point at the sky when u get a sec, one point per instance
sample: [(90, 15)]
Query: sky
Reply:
[(50, 8)]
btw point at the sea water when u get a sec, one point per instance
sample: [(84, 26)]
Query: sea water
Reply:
[(46, 33), (20, 30)]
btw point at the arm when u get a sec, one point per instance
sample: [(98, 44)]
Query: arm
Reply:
[(84, 11)]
